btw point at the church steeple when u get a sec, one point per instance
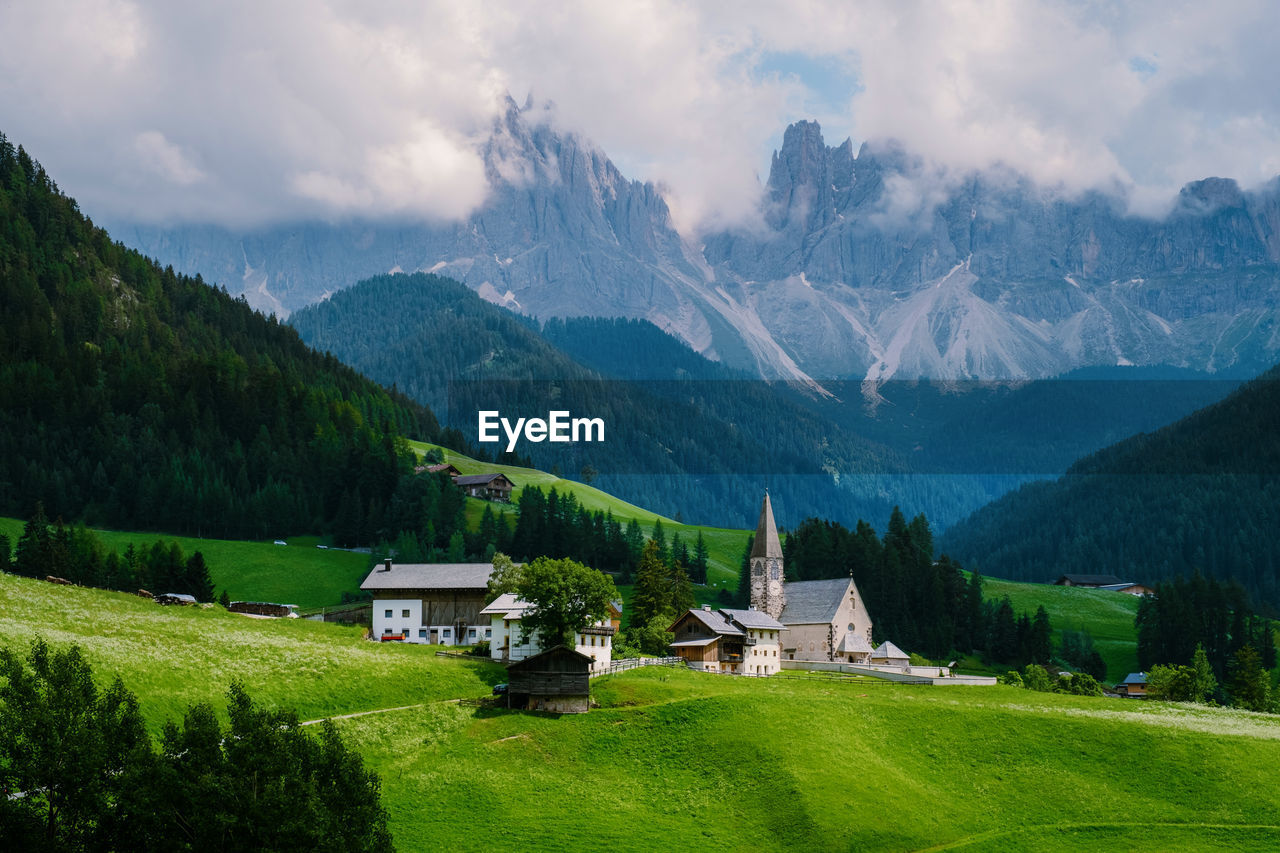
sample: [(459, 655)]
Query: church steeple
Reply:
[(768, 593)]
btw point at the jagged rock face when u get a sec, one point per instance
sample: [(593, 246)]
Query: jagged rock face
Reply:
[(872, 267)]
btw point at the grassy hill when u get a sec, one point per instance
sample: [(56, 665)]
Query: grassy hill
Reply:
[(1107, 616), (298, 573), (725, 546), (675, 758)]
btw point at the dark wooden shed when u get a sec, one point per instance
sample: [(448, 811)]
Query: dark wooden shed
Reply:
[(557, 680)]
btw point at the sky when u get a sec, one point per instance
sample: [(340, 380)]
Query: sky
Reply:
[(247, 113)]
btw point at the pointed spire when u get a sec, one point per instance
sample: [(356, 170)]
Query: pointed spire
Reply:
[(766, 542)]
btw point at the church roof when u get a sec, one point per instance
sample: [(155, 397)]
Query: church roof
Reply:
[(812, 602), (766, 543), (890, 651)]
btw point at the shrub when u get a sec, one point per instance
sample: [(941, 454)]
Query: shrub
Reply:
[(1036, 677), (1011, 678)]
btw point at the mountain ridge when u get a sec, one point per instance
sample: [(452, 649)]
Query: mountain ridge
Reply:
[(870, 265)]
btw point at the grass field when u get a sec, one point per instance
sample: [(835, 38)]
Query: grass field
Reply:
[(298, 573), (675, 759), (1108, 616), (176, 656)]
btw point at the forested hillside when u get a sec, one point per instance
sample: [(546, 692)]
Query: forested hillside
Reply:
[(133, 396), (434, 339), (1202, 494)]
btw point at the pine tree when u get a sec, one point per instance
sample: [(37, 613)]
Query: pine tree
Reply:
[(652, 594), (198, 581), (1203, 684), (698, 564), (1041, 643)]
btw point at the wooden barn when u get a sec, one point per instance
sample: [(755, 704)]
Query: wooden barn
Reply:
[(490, 487), (557, 680)]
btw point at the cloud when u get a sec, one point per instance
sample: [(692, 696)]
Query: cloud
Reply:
[(242, 113)]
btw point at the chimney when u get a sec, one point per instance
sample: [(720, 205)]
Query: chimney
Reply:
[(706, 607), (386, 566)]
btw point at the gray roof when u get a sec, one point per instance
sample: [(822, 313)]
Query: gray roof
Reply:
[(1091, 580), (478, 479), (753, 619), (698, 643), (812, 602), (430, 576), (715, 621), (889, 651), (507, 605), (1135, 678), (766, 543)]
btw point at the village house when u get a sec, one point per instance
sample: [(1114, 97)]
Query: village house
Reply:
[(745, 642), (823, 620), (438, 468), (489, 487), (1089, 581), (430, 602), (505, 612), (1133, 686), (557, 680)]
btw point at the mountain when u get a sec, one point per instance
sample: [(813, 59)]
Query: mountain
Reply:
[(1200, 495), (869, 265), (131, 396)]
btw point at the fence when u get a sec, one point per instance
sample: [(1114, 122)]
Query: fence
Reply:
[(634, 663)]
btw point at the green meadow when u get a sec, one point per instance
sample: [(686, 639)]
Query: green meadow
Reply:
[(673, 758), (1108, 617), (298, 573)]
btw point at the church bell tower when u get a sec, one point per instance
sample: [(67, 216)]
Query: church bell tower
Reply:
[(767, 592)]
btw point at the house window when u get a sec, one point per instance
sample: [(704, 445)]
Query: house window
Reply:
[(422, 633), (387, 614), (405, 613), (445, 633), (471, 633), (386, 630), (488, 632)]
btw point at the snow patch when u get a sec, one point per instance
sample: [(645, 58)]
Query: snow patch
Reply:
[(489, 293), (396, 270)]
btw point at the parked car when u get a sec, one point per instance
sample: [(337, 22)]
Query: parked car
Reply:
[(500, 689)]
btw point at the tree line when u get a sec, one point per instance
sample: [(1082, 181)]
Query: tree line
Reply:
[(78, 555), (78, 771)]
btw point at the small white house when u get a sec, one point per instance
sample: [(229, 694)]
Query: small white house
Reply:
[(505, 612)]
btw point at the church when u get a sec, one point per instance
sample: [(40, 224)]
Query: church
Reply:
[(824, 620)]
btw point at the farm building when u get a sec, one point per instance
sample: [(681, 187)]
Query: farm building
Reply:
[(557, 680), (490, 487), (1090, 581), (1134, 685), (264, 608), (430, 602), (746, 642), (505, 612), (823, 620)]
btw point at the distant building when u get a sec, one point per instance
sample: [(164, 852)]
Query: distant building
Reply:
[(823, 620), (490, 487), (430, 602), (1090, 581), (505, 612), (1134, 685), (557, 680), (887, 654), (746, 642), (442, 467), (1129, 588)]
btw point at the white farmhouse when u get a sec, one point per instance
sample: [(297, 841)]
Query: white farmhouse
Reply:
[(505, 612), (744, 642), (437, 603)]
